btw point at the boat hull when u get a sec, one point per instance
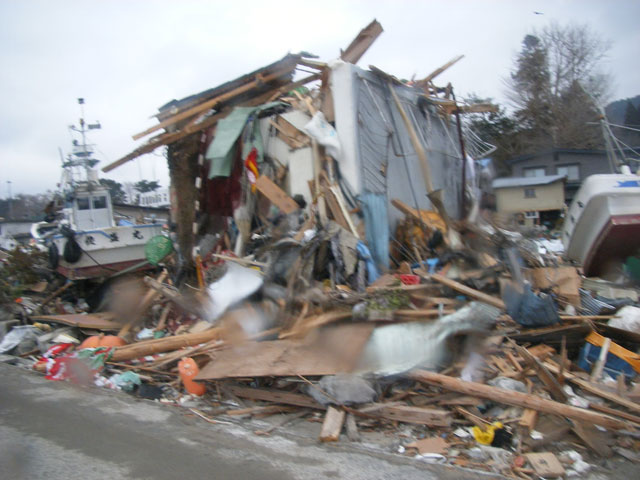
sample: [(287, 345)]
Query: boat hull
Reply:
[(603, 222), (105, 251)]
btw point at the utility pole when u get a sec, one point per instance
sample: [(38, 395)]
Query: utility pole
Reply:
[(10, 200)]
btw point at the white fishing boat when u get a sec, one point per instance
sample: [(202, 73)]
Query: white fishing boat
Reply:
[(603, 222), (81, 234)]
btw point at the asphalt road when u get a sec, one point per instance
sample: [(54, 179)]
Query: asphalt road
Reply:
[(55, 430)]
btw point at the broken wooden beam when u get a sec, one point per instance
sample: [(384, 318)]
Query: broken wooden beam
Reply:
[(362, 42), (167, 344), (468, 291), (276, 195), (209, 104), (517, 399), (594, 389), (438, 71)]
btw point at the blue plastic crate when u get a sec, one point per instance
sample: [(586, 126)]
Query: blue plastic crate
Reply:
[(614, 365)]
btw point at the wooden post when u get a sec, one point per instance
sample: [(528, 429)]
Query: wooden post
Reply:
[(517, 399)]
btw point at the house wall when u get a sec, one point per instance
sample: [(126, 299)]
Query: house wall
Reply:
[(513, 200), (299, 161), (377, 154)]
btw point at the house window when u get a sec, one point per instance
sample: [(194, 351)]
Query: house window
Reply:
[(572, 172), (534, 172), (529, 193), (531, 215)]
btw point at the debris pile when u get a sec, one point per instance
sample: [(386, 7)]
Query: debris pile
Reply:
[(462, 341)]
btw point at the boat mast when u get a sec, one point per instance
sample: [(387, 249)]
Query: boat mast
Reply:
[(84, 152)]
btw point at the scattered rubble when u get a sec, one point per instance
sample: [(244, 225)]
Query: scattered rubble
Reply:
[(471, 347)]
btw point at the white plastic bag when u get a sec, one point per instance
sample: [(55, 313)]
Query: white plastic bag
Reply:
[(322, 131)]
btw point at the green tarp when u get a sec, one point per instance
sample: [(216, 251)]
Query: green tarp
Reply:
[(220, 152)]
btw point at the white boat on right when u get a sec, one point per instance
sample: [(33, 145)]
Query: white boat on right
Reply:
[(603, 222)]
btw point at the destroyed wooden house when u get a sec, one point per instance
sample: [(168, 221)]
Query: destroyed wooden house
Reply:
[(318, 169), (349, 144)]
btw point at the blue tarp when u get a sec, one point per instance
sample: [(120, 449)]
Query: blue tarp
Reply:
[(376, 220)]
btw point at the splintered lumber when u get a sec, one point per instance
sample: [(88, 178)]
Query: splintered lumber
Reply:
[(429, 218), (416, 415), (167, 344), (438, 71), (332, 425), (143, 306), (362, 42), (172, 137), (175, 297), (209, 104), (517, 399), (468, 291), (275, 396), (594, 389), (276, 195), (54, 295), (554, 388)]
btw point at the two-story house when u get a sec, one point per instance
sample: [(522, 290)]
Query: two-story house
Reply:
[(574, 164)]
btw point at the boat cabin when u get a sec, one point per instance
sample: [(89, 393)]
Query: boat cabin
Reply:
[(91, 208)]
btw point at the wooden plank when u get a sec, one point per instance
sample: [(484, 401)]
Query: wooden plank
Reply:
[(528, 419), (264, 409), (438, 71), (429, 218), (430, 445), (554, 388), (332, 425), (594, 389), (334, 208), (327, 351), (352, 428), (167, 344), (96, 321), (275, 396), (546, 464), (478, 108), (517, 399), (276, 195), (616, 413), (596, 371), (362, 42), (416, 415), (468, 291)]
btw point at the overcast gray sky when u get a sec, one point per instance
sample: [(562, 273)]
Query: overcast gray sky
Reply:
[(126, 58)]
